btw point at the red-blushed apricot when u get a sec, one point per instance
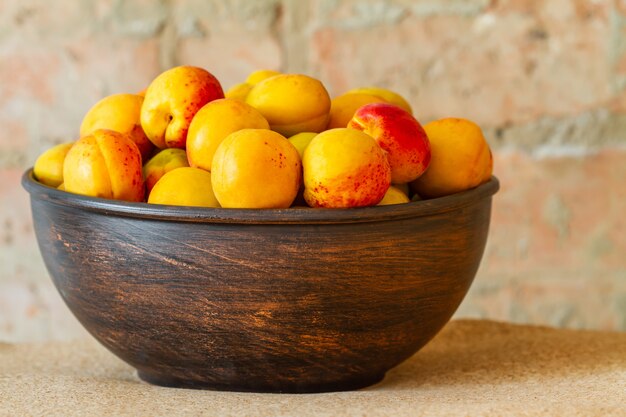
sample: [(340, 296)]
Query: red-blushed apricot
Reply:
[(343, 107), (172, 100), (104, 164), (398, 133), (344, 168)]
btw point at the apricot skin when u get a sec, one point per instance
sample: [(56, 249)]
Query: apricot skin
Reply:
[(48, 167), (399, 134), (172, 99), (344, 168), (291, 103), (460, 158), (343, 107), (104, 164), (162, 163), (119, 112), (256, 168), (184, 186), (213, 123)]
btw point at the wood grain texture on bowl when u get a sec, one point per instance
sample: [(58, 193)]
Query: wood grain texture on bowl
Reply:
[(295, 300)]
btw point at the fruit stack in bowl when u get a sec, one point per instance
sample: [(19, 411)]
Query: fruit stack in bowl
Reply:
[(274, 141)]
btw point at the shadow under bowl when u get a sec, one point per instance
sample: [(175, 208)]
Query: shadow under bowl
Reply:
[(280, 300)]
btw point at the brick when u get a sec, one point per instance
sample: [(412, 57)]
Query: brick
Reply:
[(245, 54), (39, 109), (590, 130), (556, 242), (34, 311), (30, 306), (36, 20), (17, 239), (545, 79), (230, 39), (560, 300), (138, 18), (514, 62), (560, 226)]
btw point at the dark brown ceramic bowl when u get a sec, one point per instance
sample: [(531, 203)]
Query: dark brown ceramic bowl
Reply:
[(295, 300)]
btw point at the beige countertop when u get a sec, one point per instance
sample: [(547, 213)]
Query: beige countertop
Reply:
[(474, 368)]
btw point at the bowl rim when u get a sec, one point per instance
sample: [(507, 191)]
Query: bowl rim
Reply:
[(294, 215)]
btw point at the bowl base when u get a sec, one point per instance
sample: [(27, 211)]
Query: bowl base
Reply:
[(301, 387)]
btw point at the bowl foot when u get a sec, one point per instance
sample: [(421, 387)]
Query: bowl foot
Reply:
[(353, 383)]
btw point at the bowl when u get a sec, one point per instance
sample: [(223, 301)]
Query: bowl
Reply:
[(277, 300)]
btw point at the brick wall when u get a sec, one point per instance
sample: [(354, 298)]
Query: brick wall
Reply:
[(545, 78)]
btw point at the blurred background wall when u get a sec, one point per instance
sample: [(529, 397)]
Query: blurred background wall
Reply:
[(545, 79)]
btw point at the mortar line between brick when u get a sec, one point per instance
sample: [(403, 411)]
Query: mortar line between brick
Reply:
[(168, 40), (294, 35)]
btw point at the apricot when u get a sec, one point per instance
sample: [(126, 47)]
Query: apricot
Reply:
[(343, 107), (184, 186), (387, 95), (119, 112), (460, 158), (256, 168), (172, 99), (345, 168), (48, 167), (291, 103), (213, 123), (257, 76), (238, 91), (398, 133), (301, 141), (104, 164), (394, 195), (162, 163)]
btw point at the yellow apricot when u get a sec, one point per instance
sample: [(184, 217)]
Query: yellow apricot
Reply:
[(388, 96), (48, 167), (291, 103), (460, 158), (104, 164), (184, 186), (162, 163), (119, 112), (213, 123), (301, 141), (238, 91), (257, 76), (342, 108), (345, 168), (256, 168), (394, 195)]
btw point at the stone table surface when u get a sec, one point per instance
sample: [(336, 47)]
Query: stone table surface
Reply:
[(473, 368)]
